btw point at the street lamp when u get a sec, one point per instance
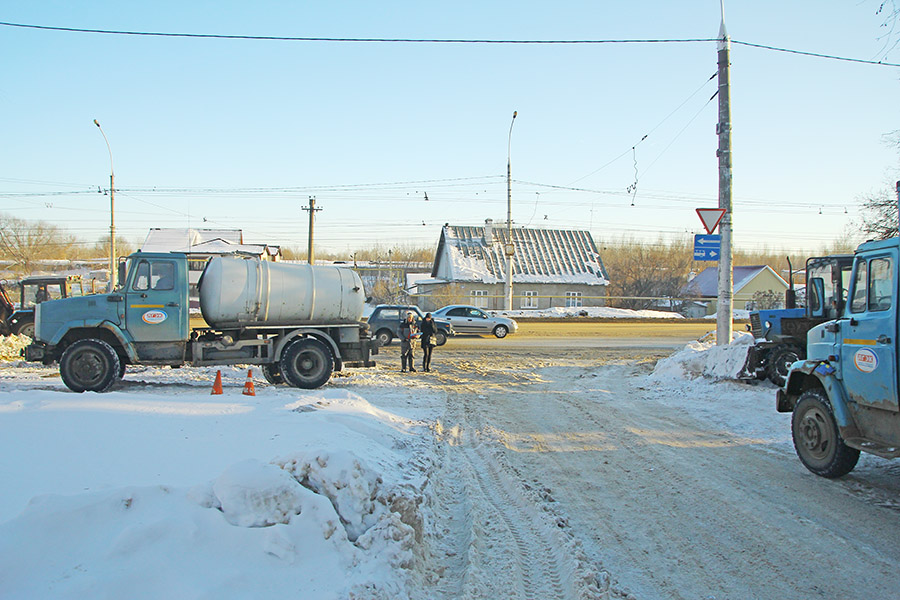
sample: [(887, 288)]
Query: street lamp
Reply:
[(112, 214), (510, 247)]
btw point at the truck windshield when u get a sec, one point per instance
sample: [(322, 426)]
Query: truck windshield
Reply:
[(835, 277)]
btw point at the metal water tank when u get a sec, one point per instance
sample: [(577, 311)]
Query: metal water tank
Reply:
[(237, 291)]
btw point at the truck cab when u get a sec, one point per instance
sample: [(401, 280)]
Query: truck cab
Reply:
[(145, 318), (844, 396)]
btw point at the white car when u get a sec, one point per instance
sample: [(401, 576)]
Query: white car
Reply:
[(471, 319)]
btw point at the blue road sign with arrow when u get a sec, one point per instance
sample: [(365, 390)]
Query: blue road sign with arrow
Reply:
[(707, 247)]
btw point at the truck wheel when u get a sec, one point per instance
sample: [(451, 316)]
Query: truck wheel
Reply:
[(384, 337), (272, 373), (779, 363), (307, 364), (501, 330), (440, 338), (89, 365), (25, 328), (817, 439)]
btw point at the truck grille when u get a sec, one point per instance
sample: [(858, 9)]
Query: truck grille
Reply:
[(755, 325)]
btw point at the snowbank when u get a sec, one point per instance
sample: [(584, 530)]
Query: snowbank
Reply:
[(604, 312), (334, 515), (11, 346), (705, 359)]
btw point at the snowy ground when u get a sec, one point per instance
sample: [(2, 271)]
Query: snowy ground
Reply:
[(159, 489)]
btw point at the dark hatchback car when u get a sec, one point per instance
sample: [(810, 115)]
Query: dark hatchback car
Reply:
[(384, 323)]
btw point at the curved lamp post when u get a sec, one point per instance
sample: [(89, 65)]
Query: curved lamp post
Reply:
[(510, 247), (112, 214)]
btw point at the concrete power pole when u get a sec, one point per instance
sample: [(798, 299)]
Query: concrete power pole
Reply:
[(310, 257), (510, 246), (725, 305)]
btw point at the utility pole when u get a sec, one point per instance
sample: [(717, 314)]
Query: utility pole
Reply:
[(113, 270), (310, 258), (510, 247), (725, 305)]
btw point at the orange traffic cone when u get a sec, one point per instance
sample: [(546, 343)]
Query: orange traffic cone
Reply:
[(217, 386), (248, 387)]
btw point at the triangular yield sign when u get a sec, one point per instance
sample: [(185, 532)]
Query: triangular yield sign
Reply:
[(710, 217)]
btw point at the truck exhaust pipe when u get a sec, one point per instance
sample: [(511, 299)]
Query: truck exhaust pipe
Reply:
[(790, 295)]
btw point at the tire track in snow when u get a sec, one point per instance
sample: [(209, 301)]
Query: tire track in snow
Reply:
[(496, 537)]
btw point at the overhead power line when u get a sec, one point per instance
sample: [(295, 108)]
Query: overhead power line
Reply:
[(277, 38)]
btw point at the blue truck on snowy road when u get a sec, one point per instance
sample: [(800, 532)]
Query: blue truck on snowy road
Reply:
[(844, 395)]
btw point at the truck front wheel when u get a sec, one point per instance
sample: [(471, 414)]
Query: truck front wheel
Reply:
[(307, 364), (89, 365), (440, 338), (817, 438)]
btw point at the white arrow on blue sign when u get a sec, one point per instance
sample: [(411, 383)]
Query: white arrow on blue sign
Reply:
[(707, 247)]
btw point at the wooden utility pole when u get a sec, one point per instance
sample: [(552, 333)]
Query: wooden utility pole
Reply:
[(725, 305), (310, 257)]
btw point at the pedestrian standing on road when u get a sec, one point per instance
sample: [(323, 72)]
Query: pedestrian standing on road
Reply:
[(408, 334), (428, 331)]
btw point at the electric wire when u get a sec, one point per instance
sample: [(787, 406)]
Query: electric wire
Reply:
[(398, 40)]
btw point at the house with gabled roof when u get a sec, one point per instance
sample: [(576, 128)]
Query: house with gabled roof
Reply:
[(704, 288), (551, 268)]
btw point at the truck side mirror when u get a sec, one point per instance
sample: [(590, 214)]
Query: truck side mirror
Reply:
[(816, 291), (123, 273)]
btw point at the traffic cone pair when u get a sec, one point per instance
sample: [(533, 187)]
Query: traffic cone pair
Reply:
[(249, 390)]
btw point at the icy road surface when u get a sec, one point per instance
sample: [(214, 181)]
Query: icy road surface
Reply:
[(512, 471), (570, 475)]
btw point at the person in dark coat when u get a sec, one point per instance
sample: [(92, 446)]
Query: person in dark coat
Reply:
[(428, 331), (408, 334)]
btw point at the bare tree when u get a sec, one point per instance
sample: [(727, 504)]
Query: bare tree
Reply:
[(879, 214), (101, 248), (25, 242), (642, 272)]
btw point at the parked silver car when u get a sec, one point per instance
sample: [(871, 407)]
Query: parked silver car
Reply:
[(471, 319)]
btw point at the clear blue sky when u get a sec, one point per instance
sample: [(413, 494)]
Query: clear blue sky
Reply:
[(238, 134)]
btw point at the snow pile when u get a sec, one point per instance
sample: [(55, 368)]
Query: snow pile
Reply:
[(319, 523), (603, 312), (11, 346), (705, 359)]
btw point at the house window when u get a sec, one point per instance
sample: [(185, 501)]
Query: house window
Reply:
[(480, 298), (573, 300), (529, 300)]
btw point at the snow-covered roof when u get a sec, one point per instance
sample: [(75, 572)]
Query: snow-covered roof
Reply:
[(541, 256), (183, 240), (203, 241), (706, 284)]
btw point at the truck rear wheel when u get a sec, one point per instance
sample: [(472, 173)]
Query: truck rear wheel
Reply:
[(89, 365), (307, 364), (817, 438), (272, 373), (779, 363)]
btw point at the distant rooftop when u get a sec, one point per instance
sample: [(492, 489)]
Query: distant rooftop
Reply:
[(541, 255)]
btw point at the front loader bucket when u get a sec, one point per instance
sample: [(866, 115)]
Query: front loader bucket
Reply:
[(754, 366)]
